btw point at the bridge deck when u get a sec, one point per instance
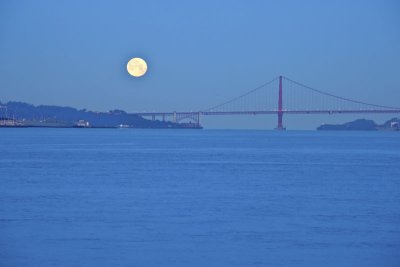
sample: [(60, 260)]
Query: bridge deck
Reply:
[(261, 112)]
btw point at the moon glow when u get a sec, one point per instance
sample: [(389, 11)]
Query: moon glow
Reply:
[(136, 67)]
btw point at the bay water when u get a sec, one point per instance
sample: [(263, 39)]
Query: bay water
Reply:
[(130, 197)]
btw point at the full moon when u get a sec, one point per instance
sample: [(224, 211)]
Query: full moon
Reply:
[(136, 67)]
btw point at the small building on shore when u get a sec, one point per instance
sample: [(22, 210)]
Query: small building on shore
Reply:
[(394, 125), (82, 124), (8, 122)]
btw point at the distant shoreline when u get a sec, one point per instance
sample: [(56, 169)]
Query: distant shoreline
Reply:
[(19, 114), (97, 127)]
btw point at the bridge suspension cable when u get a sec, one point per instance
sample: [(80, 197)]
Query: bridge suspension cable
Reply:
[(242, 95), (338, 97)]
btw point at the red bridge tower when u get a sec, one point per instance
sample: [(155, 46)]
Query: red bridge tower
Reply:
[(280, 106)]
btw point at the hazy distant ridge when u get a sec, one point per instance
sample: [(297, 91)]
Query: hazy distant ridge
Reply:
[(69, 115)]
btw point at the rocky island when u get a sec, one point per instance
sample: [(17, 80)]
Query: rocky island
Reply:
[(363, 125)]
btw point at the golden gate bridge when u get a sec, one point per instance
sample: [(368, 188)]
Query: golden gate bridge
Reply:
[(274, 99)]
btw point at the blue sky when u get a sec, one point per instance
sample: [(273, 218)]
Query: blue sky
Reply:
[(199, 53)]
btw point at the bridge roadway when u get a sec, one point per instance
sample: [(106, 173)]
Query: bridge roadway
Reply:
[(195, 115), (261, 112)]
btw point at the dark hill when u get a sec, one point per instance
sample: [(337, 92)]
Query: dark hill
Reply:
[(69, 116)]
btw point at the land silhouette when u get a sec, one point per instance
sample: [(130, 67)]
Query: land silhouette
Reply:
[(28, 115)]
